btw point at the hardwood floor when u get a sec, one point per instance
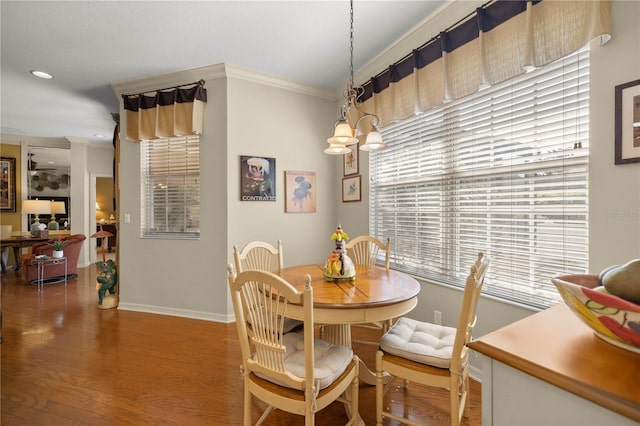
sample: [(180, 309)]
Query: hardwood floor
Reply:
[(66, 362)]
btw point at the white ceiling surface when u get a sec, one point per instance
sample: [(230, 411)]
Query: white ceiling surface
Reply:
[(88, 45)]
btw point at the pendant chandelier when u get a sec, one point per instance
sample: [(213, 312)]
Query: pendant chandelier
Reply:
[(353, 120)]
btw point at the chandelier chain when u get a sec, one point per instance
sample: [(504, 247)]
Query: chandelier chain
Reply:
[(351, 47)]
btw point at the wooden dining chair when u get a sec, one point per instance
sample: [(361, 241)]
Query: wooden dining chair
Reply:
[(364, 250), (260, 255), (431, 354), (293, 372)]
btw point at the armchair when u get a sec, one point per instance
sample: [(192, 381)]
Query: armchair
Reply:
[(71, 252)]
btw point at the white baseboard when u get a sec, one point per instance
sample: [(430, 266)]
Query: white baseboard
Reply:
[(207, 316)]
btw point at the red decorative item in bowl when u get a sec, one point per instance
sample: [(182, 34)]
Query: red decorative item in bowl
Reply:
[(613, 319)]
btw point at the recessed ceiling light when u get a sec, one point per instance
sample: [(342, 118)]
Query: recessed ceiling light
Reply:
[(41, 74), (98, 135)]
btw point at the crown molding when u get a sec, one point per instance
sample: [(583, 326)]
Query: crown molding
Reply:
[(218, 71), (243, 73)]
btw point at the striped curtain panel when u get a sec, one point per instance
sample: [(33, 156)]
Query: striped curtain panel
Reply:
[(166, 113), (501, 41)]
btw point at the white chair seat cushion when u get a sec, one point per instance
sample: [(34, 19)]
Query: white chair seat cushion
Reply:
[(421, 342), (330, 361)]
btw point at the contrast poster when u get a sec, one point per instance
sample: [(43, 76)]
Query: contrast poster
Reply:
[(257, 178)]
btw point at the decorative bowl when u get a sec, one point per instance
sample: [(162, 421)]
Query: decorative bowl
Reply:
[(613, 319)]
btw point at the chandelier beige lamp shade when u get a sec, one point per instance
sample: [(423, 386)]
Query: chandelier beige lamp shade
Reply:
[(57, 207), (36, 208), (354, 120)]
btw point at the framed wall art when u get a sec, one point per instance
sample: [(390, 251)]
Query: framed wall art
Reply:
[(257, 178), (8, 184), (300, 192), (351, 161), (351, 188), (627, 99)]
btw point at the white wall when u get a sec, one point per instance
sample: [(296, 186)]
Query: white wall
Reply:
[(177, 277), (86, 159), (291, 127), (614, 191)]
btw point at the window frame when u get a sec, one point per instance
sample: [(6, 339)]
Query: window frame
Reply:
[(177, 165), (444, 244)]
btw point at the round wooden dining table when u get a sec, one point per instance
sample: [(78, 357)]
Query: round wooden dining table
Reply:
[(376, 294)]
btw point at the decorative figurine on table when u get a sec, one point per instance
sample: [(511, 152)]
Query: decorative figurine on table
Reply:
[(339, 266)]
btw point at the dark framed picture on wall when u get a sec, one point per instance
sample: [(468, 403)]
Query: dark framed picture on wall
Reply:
[(350, 161), (8, 184), (627, 101), (257, 178), (351, 188)]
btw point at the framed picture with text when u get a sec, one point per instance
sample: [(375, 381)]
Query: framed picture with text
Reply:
[(627, 100), (350, 160), (351, 188), (257, 178)]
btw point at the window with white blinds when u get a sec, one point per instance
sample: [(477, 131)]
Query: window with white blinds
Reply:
[(171, 187), (505, 172)]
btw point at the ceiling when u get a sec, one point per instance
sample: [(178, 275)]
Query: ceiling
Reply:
[(88, 45)]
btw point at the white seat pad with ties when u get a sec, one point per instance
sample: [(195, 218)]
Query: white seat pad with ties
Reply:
[(419, 341), (330, 360)]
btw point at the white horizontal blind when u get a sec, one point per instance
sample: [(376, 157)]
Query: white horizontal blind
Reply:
[(505, 172), (171, 187)]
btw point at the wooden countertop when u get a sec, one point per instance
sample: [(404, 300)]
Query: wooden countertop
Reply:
[(556, 347)]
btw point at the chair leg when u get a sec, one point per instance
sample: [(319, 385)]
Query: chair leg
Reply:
[(247, 404), (309, 415), (454, 396), (379, 388), (467, 392), (355, 391)]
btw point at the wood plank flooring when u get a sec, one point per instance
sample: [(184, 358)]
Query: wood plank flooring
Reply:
[(66, 362)]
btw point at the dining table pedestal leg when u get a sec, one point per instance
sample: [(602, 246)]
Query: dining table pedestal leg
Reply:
[(340, 334)]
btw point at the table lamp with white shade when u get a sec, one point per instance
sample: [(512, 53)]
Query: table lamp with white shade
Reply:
[(36, 208), (57, 207)]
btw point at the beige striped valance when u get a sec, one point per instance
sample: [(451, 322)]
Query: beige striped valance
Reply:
[(502, 40), (176, 111)]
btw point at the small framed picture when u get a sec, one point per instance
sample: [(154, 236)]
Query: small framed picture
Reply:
[(350, 161), (627, 98), (300, 191), (351, 188)]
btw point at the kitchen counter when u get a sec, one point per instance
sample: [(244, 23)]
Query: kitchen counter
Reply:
[(592, 381)]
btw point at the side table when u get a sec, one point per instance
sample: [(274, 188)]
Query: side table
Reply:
[(42, 261)]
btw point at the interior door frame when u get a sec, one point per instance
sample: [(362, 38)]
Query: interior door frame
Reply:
[(93, 257)]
